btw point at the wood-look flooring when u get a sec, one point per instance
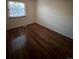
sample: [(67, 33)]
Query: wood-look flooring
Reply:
[(37, 42)]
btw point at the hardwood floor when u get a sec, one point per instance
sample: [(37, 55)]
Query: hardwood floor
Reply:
[(37, 42)]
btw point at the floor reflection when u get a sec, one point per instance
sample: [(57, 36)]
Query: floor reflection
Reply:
[(18, 42)]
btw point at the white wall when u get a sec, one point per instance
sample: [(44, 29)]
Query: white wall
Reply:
[(56, 15), (22, 21)]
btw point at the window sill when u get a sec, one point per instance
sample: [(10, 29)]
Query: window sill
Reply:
[(16, 17)]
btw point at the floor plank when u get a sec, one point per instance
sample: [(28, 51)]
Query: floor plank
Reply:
[(37, 42)]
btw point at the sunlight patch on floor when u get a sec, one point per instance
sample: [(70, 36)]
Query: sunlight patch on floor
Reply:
[(18, 42)]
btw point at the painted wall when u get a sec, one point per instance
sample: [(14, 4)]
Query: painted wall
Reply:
[(56, 15), (28, 19)]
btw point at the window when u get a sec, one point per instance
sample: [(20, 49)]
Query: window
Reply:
[(16, 9)]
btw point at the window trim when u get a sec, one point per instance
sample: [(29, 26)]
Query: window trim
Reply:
[(17, 16)]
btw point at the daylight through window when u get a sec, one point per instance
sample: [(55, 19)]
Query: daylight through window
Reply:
[(16, 9)]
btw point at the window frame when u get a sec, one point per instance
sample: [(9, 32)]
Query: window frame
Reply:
[(17, 16)]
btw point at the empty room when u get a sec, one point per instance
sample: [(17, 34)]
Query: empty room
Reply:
[(39, 29)]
